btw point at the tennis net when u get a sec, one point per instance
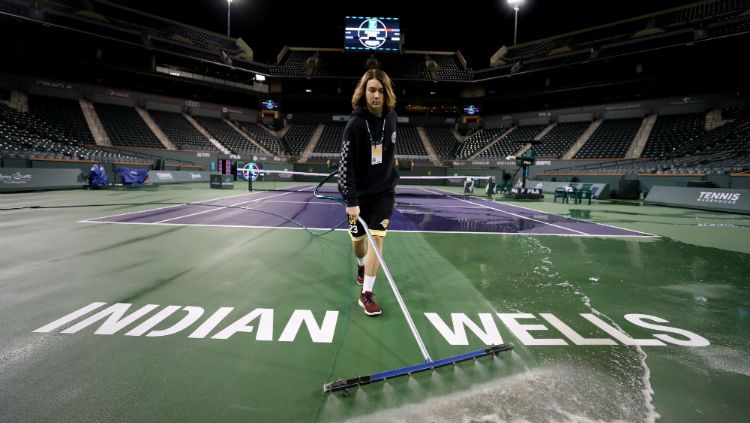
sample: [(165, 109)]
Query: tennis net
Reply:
[(282, 180)]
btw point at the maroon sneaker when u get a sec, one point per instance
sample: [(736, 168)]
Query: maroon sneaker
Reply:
[(360, 275), (367, 302)]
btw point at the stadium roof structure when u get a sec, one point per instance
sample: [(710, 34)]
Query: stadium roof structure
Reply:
[(628, 55)]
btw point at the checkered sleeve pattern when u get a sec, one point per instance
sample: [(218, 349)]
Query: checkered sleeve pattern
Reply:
[(347, 186)]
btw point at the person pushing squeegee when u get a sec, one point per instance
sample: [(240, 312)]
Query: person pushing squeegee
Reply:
[(367, 183)]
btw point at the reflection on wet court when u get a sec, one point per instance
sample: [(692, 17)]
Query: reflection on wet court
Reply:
[(417, 210), (609, 307)]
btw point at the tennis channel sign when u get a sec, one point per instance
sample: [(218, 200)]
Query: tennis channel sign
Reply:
[(263, 322), (719, 199)]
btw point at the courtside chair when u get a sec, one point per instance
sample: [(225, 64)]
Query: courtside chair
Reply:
[(562, 194), (585, 193)]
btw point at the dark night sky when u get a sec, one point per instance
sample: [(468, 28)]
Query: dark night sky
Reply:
[(477, 28)]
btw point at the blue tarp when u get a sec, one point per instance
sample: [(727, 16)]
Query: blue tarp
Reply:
[(98, 177), (132, 176)]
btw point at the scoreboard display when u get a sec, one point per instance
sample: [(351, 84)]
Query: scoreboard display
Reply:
[(471, 110), (269, 105), (372, 34)]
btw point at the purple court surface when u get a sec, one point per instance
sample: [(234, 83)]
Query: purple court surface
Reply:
[(417, 210)]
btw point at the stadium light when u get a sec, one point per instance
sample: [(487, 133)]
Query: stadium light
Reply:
[(229, 9), (515, 4)]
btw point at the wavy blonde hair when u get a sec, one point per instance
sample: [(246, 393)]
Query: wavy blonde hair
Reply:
[(359, 92)]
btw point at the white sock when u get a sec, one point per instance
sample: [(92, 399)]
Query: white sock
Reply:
[(361, 261), (369, 283)]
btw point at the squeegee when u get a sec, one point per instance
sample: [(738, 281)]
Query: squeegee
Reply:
[(344, 384)]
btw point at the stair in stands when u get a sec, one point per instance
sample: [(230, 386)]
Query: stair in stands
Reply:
[(206, 134), (582, 139), (434, 158), (163, 138), (312, 143), (491, 143), (95, 124), (639, 141), (247, 137)]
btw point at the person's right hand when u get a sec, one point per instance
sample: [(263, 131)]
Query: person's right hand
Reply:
[(352, 211)]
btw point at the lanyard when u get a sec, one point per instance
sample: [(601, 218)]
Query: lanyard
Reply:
[(369, 134)]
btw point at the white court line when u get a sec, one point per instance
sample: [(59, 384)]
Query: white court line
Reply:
[(208, 225), (324, 203), (586, 221), (514, 214), (478, 206), (508, 233), (165, 207), (222, 207), (643, 234), (174, 205), (331, 203)]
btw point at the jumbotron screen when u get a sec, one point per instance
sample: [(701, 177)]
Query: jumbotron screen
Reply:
[(471, 110), (372, 34), (269, 105)]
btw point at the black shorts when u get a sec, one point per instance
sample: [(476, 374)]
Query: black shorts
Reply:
[(376, 214)]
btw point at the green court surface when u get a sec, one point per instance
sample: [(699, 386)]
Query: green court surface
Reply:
[(635, 329)]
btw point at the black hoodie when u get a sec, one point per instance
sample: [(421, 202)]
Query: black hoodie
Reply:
[(359, 180)]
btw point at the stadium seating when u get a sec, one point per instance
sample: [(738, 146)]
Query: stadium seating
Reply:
[(719, 151), (611, 139), (125, 127), (24, 135), (226, 135), (559, 139), (449, 69), (729, 27), (700, 11), (330, 140), (64, 114), (131, 19), (181, 132), (533, 49), (445, 142), (205, 37), (667, 28), (297, 137), (478, 140), (293, 64), (722, 150), (414, 69), (331, 64), (671, 131), (265, 138), (512, 142), (677, 26), (408, 142), (732, 113)]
